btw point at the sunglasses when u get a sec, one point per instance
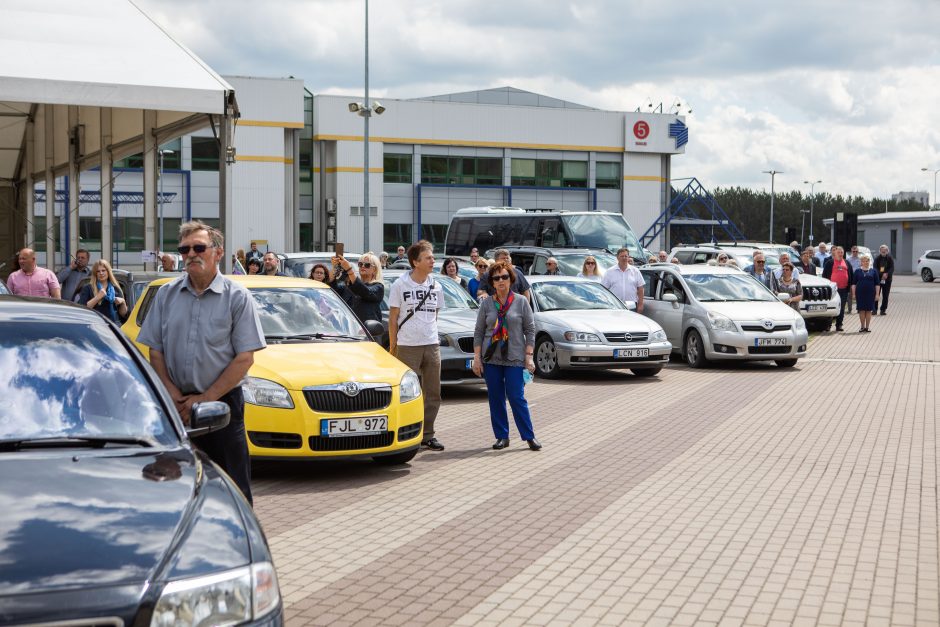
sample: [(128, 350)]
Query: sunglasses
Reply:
[(722, 259), (365, 264), (198, 248), (590, 263), (500, 277)]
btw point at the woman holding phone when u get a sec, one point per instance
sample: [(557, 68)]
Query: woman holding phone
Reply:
[(364, 293)]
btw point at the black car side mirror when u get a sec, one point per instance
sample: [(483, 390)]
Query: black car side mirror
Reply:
[(208, 417), (375, 328)]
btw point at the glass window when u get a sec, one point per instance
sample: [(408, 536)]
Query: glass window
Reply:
[(205, 154), (89, 230), (461, 170), (397, 168), (39, 230), (289, 312), (395, 235), (523, 172), (580, 295), (607, 175), (489, 171), (434, 233)]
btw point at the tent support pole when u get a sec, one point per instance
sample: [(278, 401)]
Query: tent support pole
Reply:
[(107, 190), (150, 186)]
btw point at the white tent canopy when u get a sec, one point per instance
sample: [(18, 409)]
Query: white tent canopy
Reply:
[(79, 76)]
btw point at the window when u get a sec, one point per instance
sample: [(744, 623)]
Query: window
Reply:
[(306, 160), (395, 235), (39, 232), (171, 160), (462, 170), (89, 230), (205, 153), (129, 234), (549, 173), (435, 234), (607, 175), (397, 168)]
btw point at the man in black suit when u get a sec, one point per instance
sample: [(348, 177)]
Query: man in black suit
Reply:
[(884, 264)]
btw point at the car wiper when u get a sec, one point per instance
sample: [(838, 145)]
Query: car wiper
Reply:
[(72, 441), (713, 300), (335, 336)]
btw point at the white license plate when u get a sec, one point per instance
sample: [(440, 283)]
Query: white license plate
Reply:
[(631, 353), (770, 341), (340, 427), (469, 364), (812, 308)]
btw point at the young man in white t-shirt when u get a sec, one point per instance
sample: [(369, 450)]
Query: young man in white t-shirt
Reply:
[(412, 330)]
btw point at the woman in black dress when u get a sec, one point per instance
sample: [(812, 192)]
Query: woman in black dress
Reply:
[(363, 293), (865, 290)]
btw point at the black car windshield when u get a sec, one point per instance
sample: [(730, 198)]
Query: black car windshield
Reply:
[(573, 295), (306, 312), (455, 297), (603, 231), (727, 287), (67, 380)]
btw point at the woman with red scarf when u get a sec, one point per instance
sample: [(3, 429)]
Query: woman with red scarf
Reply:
[(503, 345)]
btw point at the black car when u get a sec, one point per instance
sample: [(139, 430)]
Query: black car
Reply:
[(110, 516)]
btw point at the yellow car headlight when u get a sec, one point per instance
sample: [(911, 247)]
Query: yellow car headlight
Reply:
[(410, 387), (229, 598), (266, 393)]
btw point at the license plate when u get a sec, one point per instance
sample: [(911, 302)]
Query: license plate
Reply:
[(340, 427), (812, 308), (631, 353), (770, 341), (469, 364)]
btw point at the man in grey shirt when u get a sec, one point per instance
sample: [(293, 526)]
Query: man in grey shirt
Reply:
[(202, 330), (71, 278)]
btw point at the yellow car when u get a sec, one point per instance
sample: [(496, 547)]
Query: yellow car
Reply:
[(322, 388)]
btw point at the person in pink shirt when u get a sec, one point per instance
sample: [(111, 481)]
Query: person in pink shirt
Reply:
[(32, 280)]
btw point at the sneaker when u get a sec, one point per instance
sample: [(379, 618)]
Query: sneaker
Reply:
[(433, 444)]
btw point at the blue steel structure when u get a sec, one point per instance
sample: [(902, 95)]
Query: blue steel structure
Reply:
[(695, 209), (507, 194)]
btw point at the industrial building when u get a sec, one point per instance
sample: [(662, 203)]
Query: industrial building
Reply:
[(907, 234)]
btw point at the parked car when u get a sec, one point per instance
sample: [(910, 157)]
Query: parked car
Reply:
[(532, 259), (820, 303), (928, 265), (580, 324), (111, 516), (455, 323), (465, 269), (720, 313), (3, 287), (320, 375), (300, 264)]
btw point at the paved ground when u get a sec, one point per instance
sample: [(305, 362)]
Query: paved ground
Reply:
[(738, 495)]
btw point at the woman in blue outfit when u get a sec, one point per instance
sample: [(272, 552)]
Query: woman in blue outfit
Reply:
[(103, 294), (865, 291), (506, 327), (474, 284)]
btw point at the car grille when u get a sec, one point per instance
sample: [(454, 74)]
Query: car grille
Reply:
[(330, 401), (409, 431), (108, 621), (823, 293), (620, 338), (352, 443), (757, 327), (267, 439), (768, 350), (466, 344)]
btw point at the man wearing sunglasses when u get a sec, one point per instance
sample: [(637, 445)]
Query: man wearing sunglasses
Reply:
[(203, 330)]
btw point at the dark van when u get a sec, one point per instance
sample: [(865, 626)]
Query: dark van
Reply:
[(484, 228)]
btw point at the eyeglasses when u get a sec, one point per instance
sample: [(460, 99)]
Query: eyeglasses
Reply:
[(854, 250), (499, 277), (590, 263), (198, 248), (722, 258), (757, 261), (365, 264)]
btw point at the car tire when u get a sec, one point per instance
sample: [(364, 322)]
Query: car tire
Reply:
[(694, 350), (927, 275), (396, 459), (646, 372), (785, 363), (546, 358)]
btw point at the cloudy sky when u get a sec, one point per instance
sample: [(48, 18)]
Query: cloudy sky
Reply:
[(841, 91)]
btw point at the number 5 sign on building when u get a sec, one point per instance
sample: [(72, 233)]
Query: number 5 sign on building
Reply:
[(641, 130)]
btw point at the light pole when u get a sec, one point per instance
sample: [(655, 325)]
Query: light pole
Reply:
[(162, 198), (365, 110), (772, 173), (803, 213), (934, 184), (812, 202)]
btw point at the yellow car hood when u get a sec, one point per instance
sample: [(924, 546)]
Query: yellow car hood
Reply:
[(298, 365)]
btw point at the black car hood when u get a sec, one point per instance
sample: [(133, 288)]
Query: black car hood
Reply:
[(102, 518)]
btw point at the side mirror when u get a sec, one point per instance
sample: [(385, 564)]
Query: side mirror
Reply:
[(375, 328), (207, 417), (783, 297), (670, 298)]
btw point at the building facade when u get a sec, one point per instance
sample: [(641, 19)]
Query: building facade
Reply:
[(907, 234)]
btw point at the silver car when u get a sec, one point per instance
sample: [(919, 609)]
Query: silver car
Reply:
[(720, 313), (580, 324)]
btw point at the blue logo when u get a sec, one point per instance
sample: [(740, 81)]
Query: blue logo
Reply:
[(680, 131)]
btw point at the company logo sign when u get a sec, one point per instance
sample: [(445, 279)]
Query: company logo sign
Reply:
[(680, 132)]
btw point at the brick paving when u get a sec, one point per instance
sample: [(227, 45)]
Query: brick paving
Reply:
[(739, 495)]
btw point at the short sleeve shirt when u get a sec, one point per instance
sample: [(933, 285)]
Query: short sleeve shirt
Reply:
[(624, 283), (421, 328), (199, 335), (40, 283)]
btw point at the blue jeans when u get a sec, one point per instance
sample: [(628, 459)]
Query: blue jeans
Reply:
[(502, 383)]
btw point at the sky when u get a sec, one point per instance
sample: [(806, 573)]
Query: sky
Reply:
[(837, 91)]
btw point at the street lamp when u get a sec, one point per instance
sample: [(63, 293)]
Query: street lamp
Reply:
[(934, 184), (365, 111), (163, 152), (772, 174), (812, 202)]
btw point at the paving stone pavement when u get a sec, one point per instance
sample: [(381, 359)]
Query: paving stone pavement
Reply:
[(738, 495)]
